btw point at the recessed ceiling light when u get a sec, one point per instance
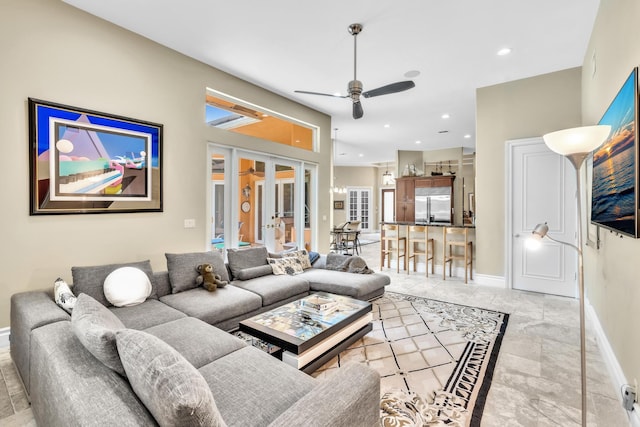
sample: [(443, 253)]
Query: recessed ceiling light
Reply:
[(387, 125), (445, 116), (504, 51), (411, 74), (360, 155), (418, 142), (467, 136)]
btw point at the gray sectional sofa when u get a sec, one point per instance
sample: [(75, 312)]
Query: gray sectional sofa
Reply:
[(69, 385)]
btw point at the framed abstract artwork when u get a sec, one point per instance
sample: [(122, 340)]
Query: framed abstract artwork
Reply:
[(84, 161)]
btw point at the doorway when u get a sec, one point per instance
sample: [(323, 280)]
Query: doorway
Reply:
[(259, 199), (359, 207), (388, 208), (541, 188)]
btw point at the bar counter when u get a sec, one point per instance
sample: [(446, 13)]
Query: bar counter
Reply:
[(453, 243)]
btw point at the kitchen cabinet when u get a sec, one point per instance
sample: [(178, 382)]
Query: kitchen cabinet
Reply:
[(405, 199), (406, 191)]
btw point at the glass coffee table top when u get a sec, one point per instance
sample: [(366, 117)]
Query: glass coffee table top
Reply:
[(297, 326)]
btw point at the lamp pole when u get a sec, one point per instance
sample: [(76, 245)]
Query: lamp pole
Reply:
[(577, 160), (576, 144)]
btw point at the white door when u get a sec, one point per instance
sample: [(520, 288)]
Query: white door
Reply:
[(359, 207), (388, 204), (542, 188)]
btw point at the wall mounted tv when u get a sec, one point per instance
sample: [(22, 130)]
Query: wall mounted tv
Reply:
[(614, 202)]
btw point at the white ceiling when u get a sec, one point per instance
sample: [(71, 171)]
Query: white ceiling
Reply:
[(294, 44)]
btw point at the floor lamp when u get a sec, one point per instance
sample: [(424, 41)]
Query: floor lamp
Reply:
[(576, 144)]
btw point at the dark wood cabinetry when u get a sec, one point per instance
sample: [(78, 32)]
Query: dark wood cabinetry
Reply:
[(406, 189), (405, 202), (435, 181)]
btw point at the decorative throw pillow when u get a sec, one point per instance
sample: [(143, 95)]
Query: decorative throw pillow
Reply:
[(90, 280), (127, 286), (241, 259), (313, 257), (182, 268), (63, 295), (302, 255), (173, 390), (286, 265), (95, 326)]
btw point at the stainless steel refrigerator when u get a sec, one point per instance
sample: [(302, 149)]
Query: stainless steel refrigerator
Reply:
[(433, 205)]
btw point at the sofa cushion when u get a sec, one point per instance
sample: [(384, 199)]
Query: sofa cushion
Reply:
[(273, 289), (253, 272), (182, 268), (235, 389), (241, 259), (150, 313), (127, 286), (202, 345), (169, 386), (214, 307), (350, 284), (285, 265), (95, 326), (90, 280)]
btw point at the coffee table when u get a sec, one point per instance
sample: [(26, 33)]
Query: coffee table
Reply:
[(309, 338)]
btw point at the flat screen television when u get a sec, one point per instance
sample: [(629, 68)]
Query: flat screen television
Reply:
[(614, 202)]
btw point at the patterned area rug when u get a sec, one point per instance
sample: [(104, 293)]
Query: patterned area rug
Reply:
[(435, 359)]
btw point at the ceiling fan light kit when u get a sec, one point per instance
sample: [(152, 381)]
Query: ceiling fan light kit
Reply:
[(355, 86)]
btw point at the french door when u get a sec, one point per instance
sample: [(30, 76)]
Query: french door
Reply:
[(359, 207), (269, 200)]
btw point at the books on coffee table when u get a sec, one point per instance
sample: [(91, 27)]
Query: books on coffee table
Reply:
[(319, 304)]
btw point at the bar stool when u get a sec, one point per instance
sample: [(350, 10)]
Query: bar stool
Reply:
[(390, 235), (419, 235), (467, 256)]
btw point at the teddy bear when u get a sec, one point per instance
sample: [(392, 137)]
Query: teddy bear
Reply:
[(207, 279)]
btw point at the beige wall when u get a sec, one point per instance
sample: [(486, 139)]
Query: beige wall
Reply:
[(54, 52), (612, 273), (519, 109)]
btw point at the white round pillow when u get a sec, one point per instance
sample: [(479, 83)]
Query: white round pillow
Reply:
[(127, 286)]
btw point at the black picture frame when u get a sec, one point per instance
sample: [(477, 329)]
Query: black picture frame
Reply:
[(338, 204), (83, 161)]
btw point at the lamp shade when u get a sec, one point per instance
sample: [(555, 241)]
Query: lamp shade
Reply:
[(577, 140)]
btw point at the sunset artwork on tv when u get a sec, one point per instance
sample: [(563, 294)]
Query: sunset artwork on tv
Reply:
[(615, 162)]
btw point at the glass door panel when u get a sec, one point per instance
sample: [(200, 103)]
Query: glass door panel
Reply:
[(261, 200)]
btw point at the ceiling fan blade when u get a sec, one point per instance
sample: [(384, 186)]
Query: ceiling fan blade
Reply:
[(358, 112), (319, 93), (391, 88)]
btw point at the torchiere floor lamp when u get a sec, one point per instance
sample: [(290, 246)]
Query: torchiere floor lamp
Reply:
[(576, 144)]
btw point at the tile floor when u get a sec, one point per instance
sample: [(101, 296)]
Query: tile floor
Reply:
[(537, 377)]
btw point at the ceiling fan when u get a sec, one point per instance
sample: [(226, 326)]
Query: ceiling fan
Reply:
[(355, 85)]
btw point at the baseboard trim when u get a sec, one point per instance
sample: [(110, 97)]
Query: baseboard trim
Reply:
[(489, 280), (613, 367), (4, 337)]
